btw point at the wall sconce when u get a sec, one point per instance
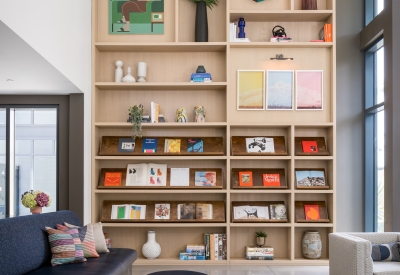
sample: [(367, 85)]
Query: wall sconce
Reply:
[(280, 57)]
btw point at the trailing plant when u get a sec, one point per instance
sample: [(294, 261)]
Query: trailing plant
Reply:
[(261, 234), (135, 118), (209, 3)]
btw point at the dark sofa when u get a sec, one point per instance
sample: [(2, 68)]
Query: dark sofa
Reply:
[(24, 249)]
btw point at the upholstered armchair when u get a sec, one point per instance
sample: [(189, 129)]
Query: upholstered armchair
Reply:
[(350, 254)]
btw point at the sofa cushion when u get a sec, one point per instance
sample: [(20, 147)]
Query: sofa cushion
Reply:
[(117, 262), (98, 234), (66, 247), (86, 237), (386, 268), (385, 252)]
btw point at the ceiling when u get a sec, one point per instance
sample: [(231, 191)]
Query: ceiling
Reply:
[(24, 71)]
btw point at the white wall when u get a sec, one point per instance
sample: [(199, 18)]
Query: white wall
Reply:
[(59, 30)]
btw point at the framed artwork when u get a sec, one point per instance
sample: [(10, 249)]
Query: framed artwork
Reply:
[(309, 90), (250, 90), (136, 16), (280, 87)]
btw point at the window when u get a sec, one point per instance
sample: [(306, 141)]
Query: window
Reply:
[(374, 138), (28, 143), (372, 9)]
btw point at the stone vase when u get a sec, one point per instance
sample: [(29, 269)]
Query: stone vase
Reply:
[(151, 250), (312, 245), (36, 210), (201, 23)]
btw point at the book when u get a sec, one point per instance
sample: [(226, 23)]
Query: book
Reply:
[(172, 145), (128, 211), (205, 178), (311, 212), (126, 145), (204, 211), (257, 249), (207, 245), (220, 247), (328, 32), (195, 145), (309, 146), (271, 180), (259, 257), (185, 257), (249, 212), (278, 212), (179, 177), (224, 247), (186, 211), (183, 253), (154, 112), (200, 77), (149, 145), (162, 211), (310, 178), (112, 178), (260, 145), (281, 39), (146, 174), (195, 248), (216, 247), (212, 247), (246, 178)]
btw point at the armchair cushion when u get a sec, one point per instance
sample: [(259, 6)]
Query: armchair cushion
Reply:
[(385, 252)]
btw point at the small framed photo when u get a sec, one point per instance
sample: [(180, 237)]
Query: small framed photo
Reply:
[(309, 90), (250, 90), (246, 178), (280, 87)]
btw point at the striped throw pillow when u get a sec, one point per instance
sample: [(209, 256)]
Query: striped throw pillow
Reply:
[(86, 237), (98, 234), (65, 247)]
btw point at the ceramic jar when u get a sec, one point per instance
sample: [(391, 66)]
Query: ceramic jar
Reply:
[(199, 114), (181, 115), (36, 210), (312, 245), (151, 250)]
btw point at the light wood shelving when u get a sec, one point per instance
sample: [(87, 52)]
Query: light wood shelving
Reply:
[(171, 58)]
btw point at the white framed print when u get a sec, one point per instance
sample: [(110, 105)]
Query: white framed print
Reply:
[(280, 87), (309, 90), (250, 89)]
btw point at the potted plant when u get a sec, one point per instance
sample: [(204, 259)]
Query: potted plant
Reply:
[(201, 25), (135, 118), (260, 238), (35, 200)]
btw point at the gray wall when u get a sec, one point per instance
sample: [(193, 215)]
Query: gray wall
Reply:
[(349, 116)]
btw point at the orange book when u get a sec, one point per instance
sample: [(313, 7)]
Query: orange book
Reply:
[(271, 180), (309, 146), (246, 178), (328, 32), (311, 211), (112, 178)]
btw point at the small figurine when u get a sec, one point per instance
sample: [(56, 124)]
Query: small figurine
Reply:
[(129, 77), (241, 25), (181, 115), (119, 73)]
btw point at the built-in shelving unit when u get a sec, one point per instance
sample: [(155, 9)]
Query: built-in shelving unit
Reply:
[(171, 58)]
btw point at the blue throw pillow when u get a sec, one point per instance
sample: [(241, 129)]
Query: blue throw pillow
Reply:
[(386, 252)]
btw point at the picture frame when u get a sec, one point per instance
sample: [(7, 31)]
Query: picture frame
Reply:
[(309, 90), (250, 90), (279, 90), (311, 178)]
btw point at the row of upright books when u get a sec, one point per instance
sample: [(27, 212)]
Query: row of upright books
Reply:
[(214, 249), (259, 253)]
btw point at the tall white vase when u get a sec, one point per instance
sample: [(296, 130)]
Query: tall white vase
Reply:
[(119, 73), (151, 250)]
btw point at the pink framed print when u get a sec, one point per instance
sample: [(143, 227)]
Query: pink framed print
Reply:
[(309, 90)]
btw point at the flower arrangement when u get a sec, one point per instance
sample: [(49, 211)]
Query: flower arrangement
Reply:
[(31, 199)]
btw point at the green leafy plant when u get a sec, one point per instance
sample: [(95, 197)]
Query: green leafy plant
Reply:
[(135, 118), (209, 3), (261, 234)]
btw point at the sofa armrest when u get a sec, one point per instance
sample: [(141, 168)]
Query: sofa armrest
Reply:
[(349, 255)]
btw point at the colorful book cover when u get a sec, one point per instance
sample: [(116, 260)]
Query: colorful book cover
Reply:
[(157, 174), (246, 178), (121, 212), (278, 212), (149, 145), (195, 145), (172, 145), (204, 211), (186, 211), (162, 211), (309, 146), (260, 145), (311, 211), (135, 212), (112, 178), (126, 145), (271, 180), (205, 178)]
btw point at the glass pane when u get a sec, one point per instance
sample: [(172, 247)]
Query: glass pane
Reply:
[(380, 153), (23, 117), (380, 76), (379, 6), (35, 155), (2, 163)]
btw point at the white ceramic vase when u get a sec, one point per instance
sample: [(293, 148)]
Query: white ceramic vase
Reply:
[(118, 71), (129, 77), (151, 250)]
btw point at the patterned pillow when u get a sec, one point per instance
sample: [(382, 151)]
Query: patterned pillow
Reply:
[(386, 252), (86, 237), (99, 239), (65, 247)]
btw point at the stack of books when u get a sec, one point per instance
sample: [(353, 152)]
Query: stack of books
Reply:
[(215, 246), (193, 252), (259, 253), (200, 77)]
